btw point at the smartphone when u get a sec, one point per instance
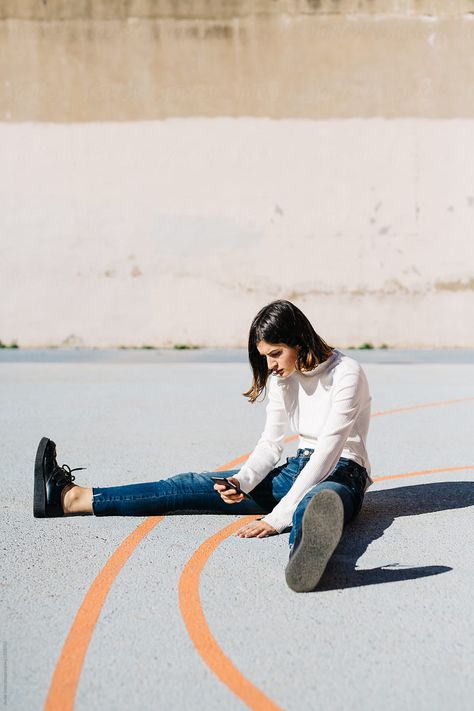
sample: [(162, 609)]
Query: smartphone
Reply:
[(228, 484)]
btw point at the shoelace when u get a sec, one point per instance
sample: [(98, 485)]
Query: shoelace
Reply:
[(66, 473)]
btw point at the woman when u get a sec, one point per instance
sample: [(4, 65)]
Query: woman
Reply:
[(313, 388)]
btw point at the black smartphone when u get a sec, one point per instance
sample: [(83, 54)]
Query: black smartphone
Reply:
[(223, 480)]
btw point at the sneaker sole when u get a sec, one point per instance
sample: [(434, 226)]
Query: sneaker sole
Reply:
[(322, 526), (39, 495)]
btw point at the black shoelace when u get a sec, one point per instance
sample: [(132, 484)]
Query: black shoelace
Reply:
[(65, 474)]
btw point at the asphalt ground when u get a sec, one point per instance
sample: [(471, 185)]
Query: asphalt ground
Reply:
[(176, 612)]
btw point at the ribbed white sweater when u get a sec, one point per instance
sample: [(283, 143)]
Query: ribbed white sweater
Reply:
[(329, 407)]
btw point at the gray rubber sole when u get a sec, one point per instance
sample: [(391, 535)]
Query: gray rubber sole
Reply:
[(322, 525)]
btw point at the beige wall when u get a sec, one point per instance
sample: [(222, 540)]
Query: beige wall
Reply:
[(169, 167), (125, 61)]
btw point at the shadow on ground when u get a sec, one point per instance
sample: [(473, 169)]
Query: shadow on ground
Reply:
[(378, 512)]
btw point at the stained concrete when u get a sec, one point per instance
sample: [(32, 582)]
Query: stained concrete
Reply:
[(307, 65)]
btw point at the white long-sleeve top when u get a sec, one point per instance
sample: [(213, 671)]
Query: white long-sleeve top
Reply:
[(329, 407)]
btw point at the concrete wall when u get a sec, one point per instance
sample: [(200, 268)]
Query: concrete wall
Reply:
[(168, 168), (125, 61)]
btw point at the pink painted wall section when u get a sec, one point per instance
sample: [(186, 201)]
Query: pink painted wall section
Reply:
[(180, 230)]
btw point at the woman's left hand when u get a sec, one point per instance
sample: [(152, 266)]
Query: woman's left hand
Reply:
[(256, 529)]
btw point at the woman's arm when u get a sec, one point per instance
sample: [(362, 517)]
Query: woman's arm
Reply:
[(350, 393), (269, 447)]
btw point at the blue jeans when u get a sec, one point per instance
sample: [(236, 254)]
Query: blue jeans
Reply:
[(194, 493)]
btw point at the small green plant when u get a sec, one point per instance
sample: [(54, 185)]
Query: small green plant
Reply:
[(384, 346), (137, 348), (13, 344), (365, 346), (184, 346)]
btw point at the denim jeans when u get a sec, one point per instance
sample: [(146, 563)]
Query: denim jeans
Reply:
[(193, 492)]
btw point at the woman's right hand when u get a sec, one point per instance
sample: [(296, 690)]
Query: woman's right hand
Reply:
[(230, 496)]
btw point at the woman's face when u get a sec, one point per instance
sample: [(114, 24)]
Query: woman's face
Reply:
[(281, 359)]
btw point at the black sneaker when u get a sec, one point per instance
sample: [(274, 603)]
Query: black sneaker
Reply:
[(50, 480), (321, 531)]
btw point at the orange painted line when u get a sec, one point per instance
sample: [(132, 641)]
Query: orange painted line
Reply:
[(420, 407), (63, 688), (422, 471), (198, 629), (64, 684), (233, 463)]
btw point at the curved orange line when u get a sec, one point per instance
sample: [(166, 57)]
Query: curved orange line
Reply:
[(198, 629), (420, 407), (422, 471), (196, 623), (63, 687)]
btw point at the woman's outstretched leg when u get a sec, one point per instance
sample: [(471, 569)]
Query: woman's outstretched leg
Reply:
[(56, 495), (190, 492)]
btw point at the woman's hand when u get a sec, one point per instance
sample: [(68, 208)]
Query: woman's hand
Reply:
[(256, 529), (230, 496)]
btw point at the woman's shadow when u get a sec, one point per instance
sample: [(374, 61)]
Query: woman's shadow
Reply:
[(379, 510)]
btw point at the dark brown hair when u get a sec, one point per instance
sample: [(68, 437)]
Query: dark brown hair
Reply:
[(283, 322)]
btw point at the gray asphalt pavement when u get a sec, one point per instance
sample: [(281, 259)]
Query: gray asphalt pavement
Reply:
[(391, 624)]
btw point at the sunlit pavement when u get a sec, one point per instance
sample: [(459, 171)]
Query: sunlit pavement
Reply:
[(390, 625)]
